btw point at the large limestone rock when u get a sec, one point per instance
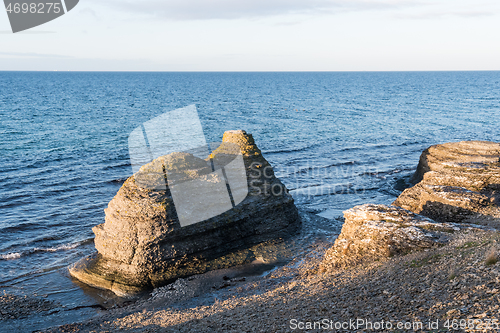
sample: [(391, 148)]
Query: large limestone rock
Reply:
[(457, 182), (142, 243), (371, 232)]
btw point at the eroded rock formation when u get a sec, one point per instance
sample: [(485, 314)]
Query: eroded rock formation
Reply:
[(372, 232), (457, 182), (143, 245), (458, 186)]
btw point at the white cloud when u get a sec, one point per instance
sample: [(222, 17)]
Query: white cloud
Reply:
[(235, 9), (32, 55), (441, 14), (447, 9)]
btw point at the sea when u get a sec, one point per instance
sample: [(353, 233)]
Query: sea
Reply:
[(335, 139)]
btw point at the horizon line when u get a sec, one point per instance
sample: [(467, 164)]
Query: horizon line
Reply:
[(256, 71)]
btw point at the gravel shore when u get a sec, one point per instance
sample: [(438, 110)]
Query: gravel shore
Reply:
[(456, 285), (16, 307)]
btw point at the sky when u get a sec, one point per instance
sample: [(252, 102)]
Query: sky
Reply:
[(260, 35)]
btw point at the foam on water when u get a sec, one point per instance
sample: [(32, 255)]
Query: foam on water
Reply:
[(10, 256)]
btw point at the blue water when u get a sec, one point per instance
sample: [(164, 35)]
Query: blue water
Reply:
[(335, 139)]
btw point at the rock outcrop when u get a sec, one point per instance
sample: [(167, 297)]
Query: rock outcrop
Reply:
[(457, 182), (142, 243), (371, 232), (458, 186)]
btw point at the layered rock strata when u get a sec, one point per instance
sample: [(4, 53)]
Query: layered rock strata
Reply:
[(142, 244), (457, 182), (457, 187), (371, 232)]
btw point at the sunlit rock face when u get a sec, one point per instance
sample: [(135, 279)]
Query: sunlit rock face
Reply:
[(371, 232), (182, 215), (457, 187), (457, 182)]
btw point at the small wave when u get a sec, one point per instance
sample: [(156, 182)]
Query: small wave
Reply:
[(317, 190), (383, 174), (20, 227), (323, 167), (331, 190), (117, 166), (63, 247), (9, 256), (117, 181), (69, 246), (285, 151), (290, 171)]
